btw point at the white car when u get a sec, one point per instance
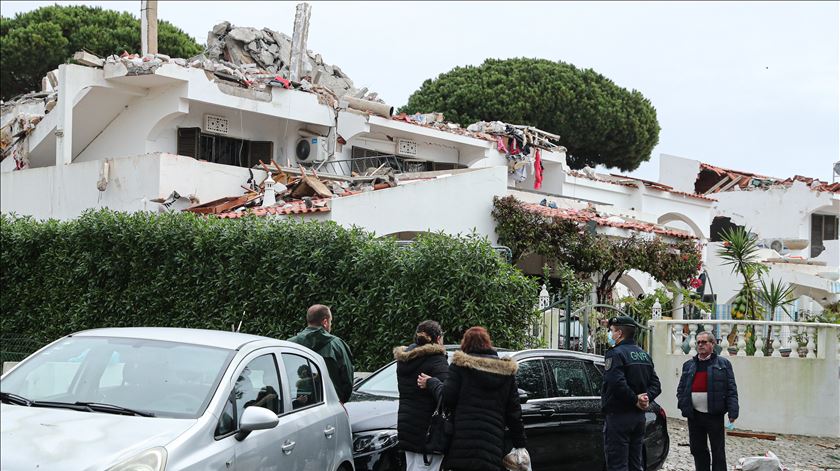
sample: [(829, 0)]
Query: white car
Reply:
[(149, 399)]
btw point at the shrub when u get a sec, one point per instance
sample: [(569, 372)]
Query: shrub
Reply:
[(182, 270)]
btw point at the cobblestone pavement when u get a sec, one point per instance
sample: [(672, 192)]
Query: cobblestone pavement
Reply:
[(796, 452)]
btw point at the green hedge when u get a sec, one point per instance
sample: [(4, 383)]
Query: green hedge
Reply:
[(183, 270)]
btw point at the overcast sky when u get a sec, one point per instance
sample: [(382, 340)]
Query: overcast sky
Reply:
[(746, 85)]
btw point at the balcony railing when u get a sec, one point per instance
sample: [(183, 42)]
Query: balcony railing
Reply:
[(767, 338)]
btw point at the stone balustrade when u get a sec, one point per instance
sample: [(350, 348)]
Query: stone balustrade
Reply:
[(787, 379), (795, 340)]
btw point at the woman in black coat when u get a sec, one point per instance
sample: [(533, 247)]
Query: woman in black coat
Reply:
[(482, 392), (425, 356)]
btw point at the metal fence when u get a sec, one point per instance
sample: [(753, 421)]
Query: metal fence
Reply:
[(17, 347)]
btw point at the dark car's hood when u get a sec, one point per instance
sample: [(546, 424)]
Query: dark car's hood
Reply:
[(371, 412)]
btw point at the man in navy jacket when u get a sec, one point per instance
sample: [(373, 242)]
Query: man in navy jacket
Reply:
[(706, 392)]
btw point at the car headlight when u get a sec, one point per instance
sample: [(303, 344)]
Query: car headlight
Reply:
[(153, 459), (372, 441)]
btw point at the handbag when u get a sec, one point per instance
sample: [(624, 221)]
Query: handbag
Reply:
[(439, 433), (517, 460)]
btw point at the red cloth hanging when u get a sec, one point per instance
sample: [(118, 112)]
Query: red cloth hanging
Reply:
[(537, 171)]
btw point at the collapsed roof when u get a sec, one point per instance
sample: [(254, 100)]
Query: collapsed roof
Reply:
[(713, 179)]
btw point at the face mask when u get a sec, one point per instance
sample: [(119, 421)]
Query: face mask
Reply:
[(611, 340)]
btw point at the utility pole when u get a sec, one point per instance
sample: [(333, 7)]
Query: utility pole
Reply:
[(148, 27)]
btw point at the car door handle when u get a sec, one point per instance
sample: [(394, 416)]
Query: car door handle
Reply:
[(547, 411), (288, 447), (329, 431)]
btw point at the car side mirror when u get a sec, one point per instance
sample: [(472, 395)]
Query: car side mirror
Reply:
[(255, 418), (523, 395)]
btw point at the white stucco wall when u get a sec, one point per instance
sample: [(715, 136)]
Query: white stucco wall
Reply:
[(64, 192), (457, 204), (678, 172), (776, 395), (782, 212)]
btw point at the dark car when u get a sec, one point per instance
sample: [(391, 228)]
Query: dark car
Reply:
[(561, 409)]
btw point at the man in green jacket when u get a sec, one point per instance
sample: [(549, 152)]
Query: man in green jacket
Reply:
[(316, 337)]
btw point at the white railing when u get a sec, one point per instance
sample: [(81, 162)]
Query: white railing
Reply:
[(800, 339)]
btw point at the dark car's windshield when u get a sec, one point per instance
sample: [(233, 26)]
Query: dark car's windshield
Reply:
[(166, 379)]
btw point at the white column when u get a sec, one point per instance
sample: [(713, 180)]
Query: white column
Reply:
[(811, 344), (759, 340), (678, 305), (776, 343), (692, 339), (742, 343), (300, 33), (67, 90), (725, 330)]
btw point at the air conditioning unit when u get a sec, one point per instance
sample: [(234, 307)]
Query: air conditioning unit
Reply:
[(311, 149), (778, 245)]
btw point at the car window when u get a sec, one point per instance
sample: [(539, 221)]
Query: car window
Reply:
[(570, 378), (167, 379), (596, 378), (305, 381), (530, 377), (383, 383), (228, 420), (258, 385)]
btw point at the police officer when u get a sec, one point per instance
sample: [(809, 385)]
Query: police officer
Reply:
[(630, 383)]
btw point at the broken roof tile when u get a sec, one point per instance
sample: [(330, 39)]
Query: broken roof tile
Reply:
[(584, 215)]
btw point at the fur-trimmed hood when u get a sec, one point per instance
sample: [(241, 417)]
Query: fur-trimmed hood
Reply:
[(487, 364), (405, 354)]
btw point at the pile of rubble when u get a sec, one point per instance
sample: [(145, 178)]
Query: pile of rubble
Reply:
[(297, 190), (18, 119)]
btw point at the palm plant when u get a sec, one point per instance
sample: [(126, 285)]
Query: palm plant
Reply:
[(740, 251), (776, 295)]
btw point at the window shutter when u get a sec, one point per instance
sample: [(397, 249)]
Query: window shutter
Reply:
[(188, 141)]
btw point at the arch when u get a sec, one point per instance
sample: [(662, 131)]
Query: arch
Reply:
[(671, 217), (632, 284)]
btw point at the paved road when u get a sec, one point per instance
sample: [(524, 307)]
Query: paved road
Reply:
[(796, 452)]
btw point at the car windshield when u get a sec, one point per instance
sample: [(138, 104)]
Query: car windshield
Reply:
[(166, 379), (381, 383)]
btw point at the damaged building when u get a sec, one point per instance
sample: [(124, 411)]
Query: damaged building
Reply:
[(794, 219), (258, 124)]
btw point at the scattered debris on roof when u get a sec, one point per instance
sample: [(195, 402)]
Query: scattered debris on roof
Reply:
[(713, 179), (590, 214), (293, 191), (18, 119), (631, 182), (252, 51)]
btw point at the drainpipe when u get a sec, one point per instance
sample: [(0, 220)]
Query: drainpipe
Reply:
[(148, 27)]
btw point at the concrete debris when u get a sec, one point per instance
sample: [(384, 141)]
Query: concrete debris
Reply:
[(18, 119), (271, 52), (86, 58), (436, 121)]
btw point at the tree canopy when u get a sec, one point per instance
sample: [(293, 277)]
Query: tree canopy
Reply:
[(33, 43), (598, 121)]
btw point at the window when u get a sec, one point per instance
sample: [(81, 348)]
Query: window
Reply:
[(823, 227), (304, 379), (383, 383), (222, 149), (596, 378), (168, 379), (258, 385), (530, 378), (570, 378)]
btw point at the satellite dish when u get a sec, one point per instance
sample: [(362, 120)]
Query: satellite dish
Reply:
[(837, 168)]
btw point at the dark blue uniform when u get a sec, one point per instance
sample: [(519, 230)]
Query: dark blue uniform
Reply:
[(628, 373)]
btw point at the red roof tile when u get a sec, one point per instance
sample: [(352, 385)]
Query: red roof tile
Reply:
[(647, 183), (280, 209), (584, 215)]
